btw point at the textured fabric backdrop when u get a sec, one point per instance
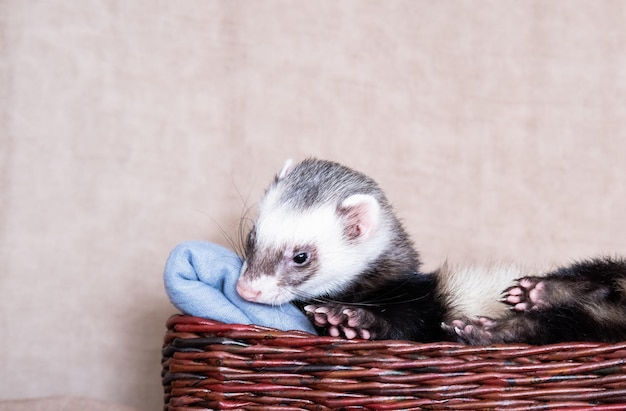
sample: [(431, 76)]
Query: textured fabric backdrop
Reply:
[(497, 128)]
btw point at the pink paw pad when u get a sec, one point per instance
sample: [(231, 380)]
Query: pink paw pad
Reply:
[(348, 323), (527, 295)]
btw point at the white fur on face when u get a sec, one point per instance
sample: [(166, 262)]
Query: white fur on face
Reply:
[(338, 262)]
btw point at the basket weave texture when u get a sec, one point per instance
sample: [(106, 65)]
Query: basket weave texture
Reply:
[(209, 365)]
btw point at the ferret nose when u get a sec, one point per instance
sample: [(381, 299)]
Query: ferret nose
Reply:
[(247, 293)]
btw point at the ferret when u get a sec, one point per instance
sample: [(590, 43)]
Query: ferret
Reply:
[(327, 239)]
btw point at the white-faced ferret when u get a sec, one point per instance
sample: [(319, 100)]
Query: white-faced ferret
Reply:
[(327, 238)]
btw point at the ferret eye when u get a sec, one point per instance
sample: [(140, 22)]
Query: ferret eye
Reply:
[(301, 258), (249, 243)]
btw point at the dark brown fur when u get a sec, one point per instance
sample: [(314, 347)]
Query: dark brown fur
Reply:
[(585, 301)]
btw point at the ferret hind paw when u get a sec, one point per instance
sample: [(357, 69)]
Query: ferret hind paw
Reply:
[(475, 331), (527, 294)]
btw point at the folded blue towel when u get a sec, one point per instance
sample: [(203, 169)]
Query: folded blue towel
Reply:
[(200, 280)]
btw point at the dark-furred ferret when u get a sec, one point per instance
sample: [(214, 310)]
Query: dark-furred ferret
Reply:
[(327, 239)]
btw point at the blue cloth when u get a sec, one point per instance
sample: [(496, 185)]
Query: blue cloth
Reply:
[(200, 280)]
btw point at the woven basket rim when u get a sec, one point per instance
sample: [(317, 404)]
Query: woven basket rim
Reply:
[(212, 365)]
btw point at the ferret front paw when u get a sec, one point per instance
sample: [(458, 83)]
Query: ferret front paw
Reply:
[(343, 321), (477, 331), (527, 294)]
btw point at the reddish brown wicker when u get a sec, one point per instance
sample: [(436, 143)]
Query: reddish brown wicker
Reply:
[(209, 365)]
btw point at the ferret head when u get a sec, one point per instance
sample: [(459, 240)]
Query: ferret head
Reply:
[(320, 225)]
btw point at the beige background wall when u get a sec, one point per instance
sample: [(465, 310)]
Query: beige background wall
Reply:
[(497, 128)]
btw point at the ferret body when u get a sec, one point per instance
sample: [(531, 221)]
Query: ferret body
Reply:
[(327, 239)]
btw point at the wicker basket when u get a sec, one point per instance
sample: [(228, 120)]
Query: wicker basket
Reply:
[(209, 365)]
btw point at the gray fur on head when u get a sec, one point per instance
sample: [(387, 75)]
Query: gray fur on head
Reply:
[(313, 182)]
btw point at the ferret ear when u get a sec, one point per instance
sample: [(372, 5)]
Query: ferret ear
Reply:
[(286, 169), (361, 214)]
